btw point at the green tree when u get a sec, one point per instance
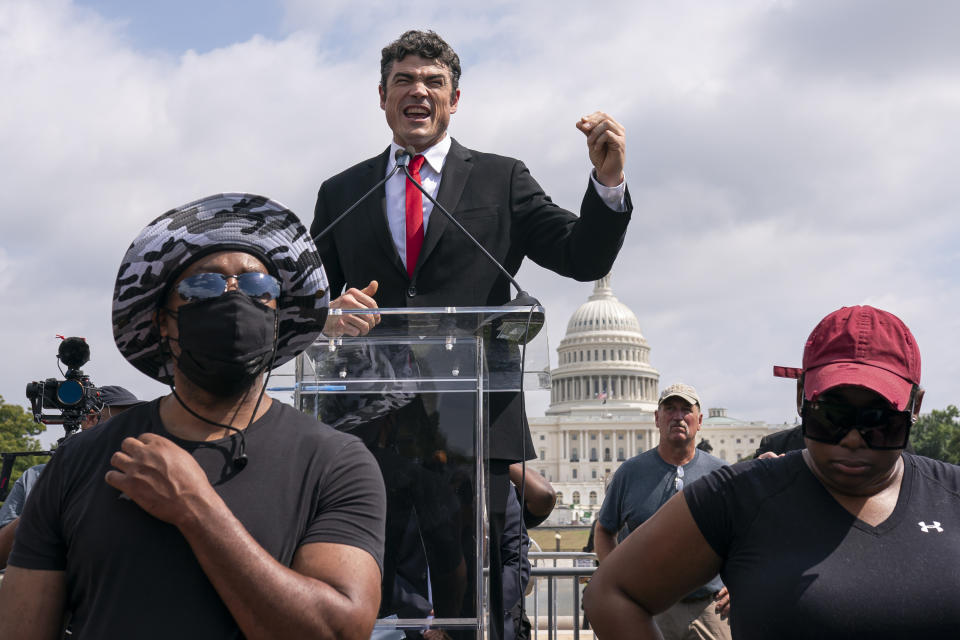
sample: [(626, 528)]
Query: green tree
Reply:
[(17, 431), (937, 435)]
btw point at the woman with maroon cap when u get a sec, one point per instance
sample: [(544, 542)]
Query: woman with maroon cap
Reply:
[(850, 538)]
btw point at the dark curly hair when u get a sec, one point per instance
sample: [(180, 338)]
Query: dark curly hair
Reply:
[(426, 44)]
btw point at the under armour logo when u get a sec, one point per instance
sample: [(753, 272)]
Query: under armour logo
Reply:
[(927, 527)]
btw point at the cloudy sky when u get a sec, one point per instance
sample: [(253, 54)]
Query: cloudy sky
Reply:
[(784, 158)]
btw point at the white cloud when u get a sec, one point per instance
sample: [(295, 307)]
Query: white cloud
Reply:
[(865, 41)]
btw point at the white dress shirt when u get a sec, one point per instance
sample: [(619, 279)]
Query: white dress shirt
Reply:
[(434, 158)]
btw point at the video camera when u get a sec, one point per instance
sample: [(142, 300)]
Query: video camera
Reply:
[(74, 396)]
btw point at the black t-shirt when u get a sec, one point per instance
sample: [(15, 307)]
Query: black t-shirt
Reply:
[(799, 565), (131, 575)]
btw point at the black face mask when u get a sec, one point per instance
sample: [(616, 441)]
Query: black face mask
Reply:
[(225, 342)]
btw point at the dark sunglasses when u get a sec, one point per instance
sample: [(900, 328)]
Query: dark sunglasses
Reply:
[(204, 286), (880, 427)]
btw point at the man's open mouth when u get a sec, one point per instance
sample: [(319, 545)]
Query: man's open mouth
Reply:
[(416, 112)]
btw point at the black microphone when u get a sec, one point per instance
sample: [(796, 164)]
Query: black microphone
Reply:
[(534, 323), (402, 157), (240, 460)]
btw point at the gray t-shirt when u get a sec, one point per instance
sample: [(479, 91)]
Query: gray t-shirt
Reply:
[(642, 484), (13, 506)]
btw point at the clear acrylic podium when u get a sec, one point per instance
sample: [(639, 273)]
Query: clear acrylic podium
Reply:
[(415, 390)]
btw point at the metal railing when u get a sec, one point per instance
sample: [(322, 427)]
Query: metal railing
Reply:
[(552, 568)]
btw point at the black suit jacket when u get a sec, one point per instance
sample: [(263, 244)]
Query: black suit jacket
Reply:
[(787, 440), (497, 200), (782, 441)]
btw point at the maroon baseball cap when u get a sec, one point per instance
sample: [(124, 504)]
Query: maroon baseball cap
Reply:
[(861, 347)]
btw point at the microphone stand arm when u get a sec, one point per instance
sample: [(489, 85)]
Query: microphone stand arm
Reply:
[(523, 298), (356, 204)]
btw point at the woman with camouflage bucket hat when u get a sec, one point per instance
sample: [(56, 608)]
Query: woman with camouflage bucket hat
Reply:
[(237, 513)]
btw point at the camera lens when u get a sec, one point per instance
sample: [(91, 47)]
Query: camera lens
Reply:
[(69, 393)]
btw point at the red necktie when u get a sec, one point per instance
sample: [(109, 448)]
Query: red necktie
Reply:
[(414, 216)]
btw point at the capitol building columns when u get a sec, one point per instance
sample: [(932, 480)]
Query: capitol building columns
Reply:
[(626, 387)]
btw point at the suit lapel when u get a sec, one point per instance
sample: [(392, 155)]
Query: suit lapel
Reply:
[(456, 170), (373, 212)]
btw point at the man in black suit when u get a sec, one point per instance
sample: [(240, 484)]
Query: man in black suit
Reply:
[(385, 248), (781, 442), (786, 440)]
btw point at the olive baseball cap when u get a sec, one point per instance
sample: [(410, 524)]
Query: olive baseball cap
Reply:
[(680, 390)]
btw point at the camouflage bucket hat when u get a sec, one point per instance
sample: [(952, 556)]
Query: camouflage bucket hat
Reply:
[(221, 222)]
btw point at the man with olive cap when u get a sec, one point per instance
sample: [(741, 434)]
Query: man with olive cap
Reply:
[(643, 484), (214, 511)]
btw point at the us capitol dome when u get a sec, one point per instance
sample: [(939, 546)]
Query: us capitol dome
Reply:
[(603, 360)]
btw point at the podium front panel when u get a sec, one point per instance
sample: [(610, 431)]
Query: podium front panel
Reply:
[(416, 390)]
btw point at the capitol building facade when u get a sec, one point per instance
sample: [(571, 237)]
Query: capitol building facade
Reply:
[(603, 394)]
